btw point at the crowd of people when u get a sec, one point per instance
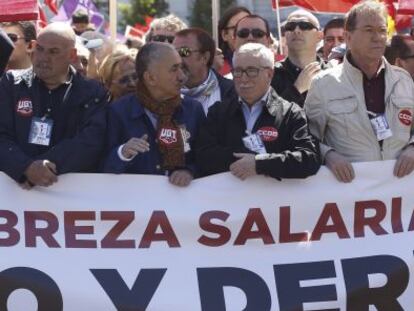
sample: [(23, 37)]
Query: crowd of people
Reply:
[(178, 105)]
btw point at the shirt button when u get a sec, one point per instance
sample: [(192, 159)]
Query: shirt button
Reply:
[(158, 167), (96, 100)]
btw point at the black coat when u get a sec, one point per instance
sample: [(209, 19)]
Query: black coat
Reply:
[(293, 154), (284, 78)]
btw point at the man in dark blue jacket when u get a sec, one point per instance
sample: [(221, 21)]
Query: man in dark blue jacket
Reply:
[(52, 121), (152, 131)]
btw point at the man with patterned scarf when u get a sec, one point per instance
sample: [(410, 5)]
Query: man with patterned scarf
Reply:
[(152, 131), (197, 49)]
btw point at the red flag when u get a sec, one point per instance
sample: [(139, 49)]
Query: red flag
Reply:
[(406, 7), (337, 6), (22, 10), (42, 21), (133, 32), (144, 27), (52, 4)]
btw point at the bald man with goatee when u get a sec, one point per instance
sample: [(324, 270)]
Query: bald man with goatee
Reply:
[(52, 120)]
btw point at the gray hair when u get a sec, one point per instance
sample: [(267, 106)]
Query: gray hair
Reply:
[(258, 50), (150, 53)]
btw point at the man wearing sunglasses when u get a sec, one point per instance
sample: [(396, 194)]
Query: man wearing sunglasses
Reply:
[(197, 48), (6, 49), (403, 48), (362, 110), (260, 133), (252, 28), (294, 74), (23, 35), (52, 120)]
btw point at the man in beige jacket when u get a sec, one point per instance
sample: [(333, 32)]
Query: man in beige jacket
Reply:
[(362, 109)]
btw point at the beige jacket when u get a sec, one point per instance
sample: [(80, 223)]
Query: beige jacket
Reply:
[(335, 106)]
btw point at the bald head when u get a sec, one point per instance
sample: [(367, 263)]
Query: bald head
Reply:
[(61, 30), (304, 15)]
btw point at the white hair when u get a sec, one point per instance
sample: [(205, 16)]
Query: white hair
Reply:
[(257, 50)]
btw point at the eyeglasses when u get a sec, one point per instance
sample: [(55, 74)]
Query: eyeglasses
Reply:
[(291, 26), (15, 37), (128, 79), (186, 51), (162, 38), (256, 33), (251, 72)]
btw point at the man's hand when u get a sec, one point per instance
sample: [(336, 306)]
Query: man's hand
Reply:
[(41, 173), (305, 77), (181, 178), (339, 166), (245, 166), (135, 146), (405, 162)]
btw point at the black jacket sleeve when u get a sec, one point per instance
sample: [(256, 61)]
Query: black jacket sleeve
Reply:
[(214, 154), (301, 159)]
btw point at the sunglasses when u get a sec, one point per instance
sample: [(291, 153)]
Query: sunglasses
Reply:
[(162, 38), (15, 37), (256, 33), (186, 51), (127, 79), (291, 26)]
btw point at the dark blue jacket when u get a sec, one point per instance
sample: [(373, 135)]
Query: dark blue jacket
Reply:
[(79, 123), (127, 119)]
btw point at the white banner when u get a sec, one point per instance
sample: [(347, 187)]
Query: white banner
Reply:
[(132, 242)]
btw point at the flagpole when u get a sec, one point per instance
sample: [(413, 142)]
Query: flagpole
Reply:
[(215, 17), (279, 28), (113, 19)]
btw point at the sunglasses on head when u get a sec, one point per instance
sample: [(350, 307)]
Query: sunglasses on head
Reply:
[(256, 33), (127, 79), (162, 38), (14, 37), (290, 26), (186, 51)]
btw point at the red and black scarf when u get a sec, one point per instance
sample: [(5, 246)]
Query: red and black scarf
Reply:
[(169, 137)]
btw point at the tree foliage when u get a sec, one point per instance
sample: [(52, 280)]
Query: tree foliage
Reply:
[(201, 13), (136, 11)]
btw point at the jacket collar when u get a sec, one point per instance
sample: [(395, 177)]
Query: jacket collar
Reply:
[(28, 75), (356, 76)]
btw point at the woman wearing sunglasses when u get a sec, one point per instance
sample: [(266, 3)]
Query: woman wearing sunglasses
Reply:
[(118, 75)]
